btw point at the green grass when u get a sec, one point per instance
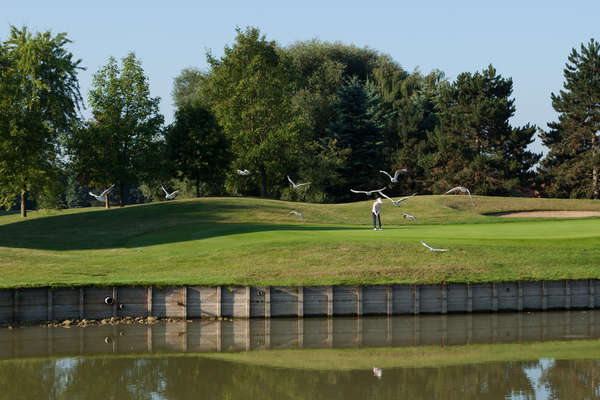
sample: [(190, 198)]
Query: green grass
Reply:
[(245, 241)]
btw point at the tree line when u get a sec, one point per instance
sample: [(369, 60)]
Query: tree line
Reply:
[(329, 113)]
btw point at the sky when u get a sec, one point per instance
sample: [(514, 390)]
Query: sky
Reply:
[(528, 41)]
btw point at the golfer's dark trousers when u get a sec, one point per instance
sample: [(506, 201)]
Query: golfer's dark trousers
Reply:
[(376, 217)]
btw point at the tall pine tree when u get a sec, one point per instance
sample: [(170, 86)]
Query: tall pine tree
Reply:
[(570, 168), (475, 144)]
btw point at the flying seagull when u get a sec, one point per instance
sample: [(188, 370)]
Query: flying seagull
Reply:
[(461, 189), (102, 196), (431, 248), (397, 202), (243, 173), (395, 178), (368, 192), (296, 186), (409, 216), (378, 372), (169, 196), (298, 214)]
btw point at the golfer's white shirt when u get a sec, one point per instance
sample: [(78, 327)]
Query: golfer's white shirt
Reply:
[(376, 208)]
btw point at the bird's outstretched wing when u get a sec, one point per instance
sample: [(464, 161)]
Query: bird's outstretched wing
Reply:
[(93, 195), (292, 182), (174, 193), (358, 191), (302, 184), (164, 190), (383, 172), (376, 191), (398, 172), (387, 197), (454, 189), (426, 245), (107, 190), (405, 198)]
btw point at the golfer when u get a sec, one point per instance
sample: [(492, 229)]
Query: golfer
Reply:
[(376, 213)]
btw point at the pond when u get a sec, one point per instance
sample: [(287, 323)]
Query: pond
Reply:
[(476, 356)]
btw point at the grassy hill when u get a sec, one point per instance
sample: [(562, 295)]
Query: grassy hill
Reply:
[(246, 241)]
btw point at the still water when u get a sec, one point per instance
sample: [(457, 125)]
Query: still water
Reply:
[(514, 356)]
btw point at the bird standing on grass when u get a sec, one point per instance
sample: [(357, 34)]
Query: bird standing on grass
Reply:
[(102, 196), (394, 179), (461, 189), (298, 214), (405, 216), (296, 186), (169, 196), (432, 249)]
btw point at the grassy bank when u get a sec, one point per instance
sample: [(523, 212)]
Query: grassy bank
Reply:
[(244, 241)]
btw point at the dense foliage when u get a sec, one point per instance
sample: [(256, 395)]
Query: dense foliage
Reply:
[(331, 114)]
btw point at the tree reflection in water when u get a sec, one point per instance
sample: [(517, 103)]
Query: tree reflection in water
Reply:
[(192, 377)]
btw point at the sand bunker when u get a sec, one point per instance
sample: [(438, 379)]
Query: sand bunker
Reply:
[(547, 214)]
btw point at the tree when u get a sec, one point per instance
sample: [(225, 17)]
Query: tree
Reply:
[(474, 142), (121, 144), (359, 128), (249, 90), (197, 147), (39, 102), (570, 168)]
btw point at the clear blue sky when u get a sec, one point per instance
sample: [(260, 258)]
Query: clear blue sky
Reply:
[(526, 40)]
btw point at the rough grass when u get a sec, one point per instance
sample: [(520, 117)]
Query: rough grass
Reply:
[(246, 241)]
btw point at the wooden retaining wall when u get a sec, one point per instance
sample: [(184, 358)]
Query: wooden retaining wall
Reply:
[(42, 304)]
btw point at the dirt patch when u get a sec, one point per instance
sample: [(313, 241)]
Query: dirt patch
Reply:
[(547, 214)]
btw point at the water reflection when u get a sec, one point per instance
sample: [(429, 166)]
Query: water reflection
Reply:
[(196, 377), (256, 334)]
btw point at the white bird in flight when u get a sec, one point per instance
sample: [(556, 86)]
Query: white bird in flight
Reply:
[(368, 192), (461, 189), (397, 202), (395, 178), (378, 372), (404, 215), (243, 173), (296, 186), (102, 196), (169, 196), (298, 214), (431, 248)]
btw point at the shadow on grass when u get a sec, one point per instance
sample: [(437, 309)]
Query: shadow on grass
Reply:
[(137, 226)]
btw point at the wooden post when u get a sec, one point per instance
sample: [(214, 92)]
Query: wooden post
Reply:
[(81, 303), (359, 301), (330, 301), (494, 297), (219, 311), (519, 296), (416, 299), (300, 300), (267, 302), (390, 299), (50, 315), (149, 302), (469, 298), (544, 296), (184, 302), (444, 290)]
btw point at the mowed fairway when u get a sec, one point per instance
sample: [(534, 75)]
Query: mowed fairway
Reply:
[(245, 241)]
